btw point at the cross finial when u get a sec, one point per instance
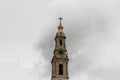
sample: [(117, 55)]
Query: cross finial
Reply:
[(60, 19)]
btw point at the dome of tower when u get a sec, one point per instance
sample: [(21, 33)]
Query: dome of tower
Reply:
[(60, 27)]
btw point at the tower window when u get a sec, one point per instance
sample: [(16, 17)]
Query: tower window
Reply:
[(60, 69), (61, 52), (60, 33), (60, 42)]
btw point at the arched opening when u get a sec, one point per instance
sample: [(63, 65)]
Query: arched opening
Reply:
[(60, 42), (60, 33), (60, 69)]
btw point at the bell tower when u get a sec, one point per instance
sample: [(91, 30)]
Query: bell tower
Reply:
[(60, 59)]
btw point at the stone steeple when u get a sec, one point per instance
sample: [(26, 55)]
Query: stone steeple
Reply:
[(60, 59)]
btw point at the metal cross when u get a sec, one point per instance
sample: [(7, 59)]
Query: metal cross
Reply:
[(60, 19)]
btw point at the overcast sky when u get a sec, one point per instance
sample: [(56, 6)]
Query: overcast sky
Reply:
[(27, 32)]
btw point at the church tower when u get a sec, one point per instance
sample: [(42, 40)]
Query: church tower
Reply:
[(60, 59)]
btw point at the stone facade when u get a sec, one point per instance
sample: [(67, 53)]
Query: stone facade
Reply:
[(60, 58)]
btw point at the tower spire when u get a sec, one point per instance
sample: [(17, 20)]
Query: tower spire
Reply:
[(60, 27), (60, 18)]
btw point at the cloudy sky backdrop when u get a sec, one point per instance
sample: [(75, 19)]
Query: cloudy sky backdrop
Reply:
[(27, 31)]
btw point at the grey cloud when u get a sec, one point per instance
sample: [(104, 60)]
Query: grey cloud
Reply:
[(88, 29)]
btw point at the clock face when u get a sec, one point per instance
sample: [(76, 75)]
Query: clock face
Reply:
[(61, 52)]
